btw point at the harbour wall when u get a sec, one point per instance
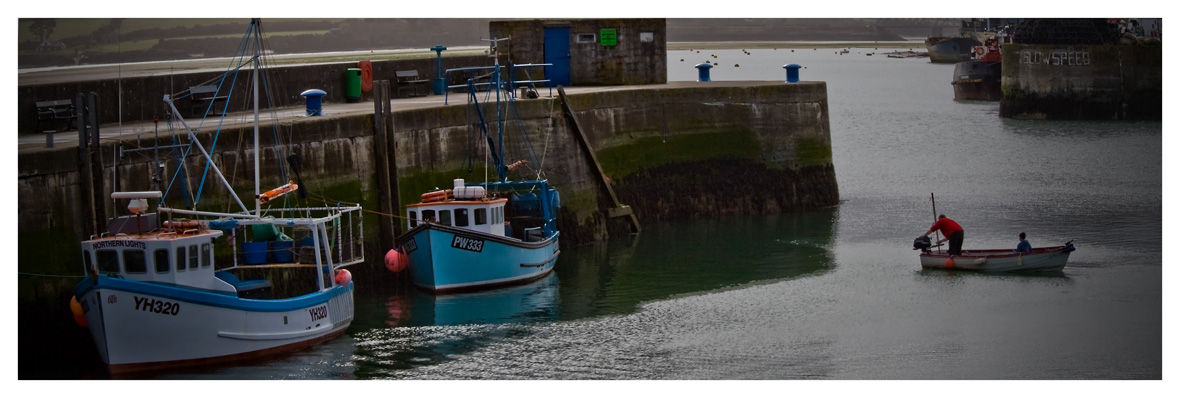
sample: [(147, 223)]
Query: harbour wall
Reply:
[(666, 151), (139, 98), (1082, 82)]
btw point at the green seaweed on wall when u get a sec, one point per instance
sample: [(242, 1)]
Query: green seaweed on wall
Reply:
[(647, 152)]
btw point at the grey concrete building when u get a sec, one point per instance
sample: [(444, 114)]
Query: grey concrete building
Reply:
[(588, 52)]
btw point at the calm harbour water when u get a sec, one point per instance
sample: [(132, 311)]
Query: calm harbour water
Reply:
[(831, 294)]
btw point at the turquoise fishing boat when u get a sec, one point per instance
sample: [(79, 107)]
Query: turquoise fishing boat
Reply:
[(483, 235)]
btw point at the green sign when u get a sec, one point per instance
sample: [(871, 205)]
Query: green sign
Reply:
[(609, 37)]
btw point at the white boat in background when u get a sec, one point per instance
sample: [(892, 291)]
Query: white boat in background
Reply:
[(1041, 259), (165, 289)]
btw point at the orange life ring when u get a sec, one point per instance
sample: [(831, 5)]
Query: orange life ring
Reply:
[(366, 76), (980, 50)]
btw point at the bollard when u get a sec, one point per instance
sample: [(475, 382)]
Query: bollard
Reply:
[(439, 84), (792, 73), (703, 71), (313, 96), (49, 138)]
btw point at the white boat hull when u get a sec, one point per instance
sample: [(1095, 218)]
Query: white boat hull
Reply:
[(1040, 260), (141, 326)]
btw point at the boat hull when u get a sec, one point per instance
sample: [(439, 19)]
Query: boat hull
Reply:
[(949, 50), (143, 326), (446, 259), (977, 80), (1045, 259)]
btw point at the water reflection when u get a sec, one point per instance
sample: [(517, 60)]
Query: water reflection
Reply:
[(692, 256)]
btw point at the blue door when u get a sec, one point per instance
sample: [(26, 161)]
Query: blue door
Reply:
[(557, 52)]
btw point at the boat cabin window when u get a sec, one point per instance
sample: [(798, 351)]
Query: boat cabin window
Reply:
[(481, 216), (427, 215), (162, 265), (192, 257), (134, 261), (461, 219), (413, 219), (444, 217), (497, 215), (108, 261), (206, 256), (180, 256)]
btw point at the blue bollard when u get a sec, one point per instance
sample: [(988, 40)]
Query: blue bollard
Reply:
[(313, 96), (792, 73), (703, 71), (439, 85)]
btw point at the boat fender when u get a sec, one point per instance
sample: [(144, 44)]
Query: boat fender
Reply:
[(79, 316), (395, 261), (343, 277), (950, 262)]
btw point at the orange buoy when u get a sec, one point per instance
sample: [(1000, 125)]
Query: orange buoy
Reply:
[(950, 262), (79, 316), (395, 261), (343, 277)]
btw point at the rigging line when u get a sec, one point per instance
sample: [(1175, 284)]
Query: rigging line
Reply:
[(182, 165), (50, 276), (519, 122), (217, 134)]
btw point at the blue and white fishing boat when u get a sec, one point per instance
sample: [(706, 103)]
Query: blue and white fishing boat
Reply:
[(167, 288), (482, 235)]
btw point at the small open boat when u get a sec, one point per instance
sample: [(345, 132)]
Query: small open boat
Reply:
[(1041, 259)]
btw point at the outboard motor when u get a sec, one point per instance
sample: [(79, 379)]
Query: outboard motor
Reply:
[(922, 243)]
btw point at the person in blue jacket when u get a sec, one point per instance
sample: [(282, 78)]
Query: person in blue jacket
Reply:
[(1023, 246)]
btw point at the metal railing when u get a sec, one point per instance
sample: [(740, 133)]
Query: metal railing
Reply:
[(475, 78)]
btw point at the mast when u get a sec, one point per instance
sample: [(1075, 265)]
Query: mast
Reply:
[(501, 168), (257, 27)]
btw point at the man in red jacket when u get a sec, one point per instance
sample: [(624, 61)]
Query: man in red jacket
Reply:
[(951, 230)]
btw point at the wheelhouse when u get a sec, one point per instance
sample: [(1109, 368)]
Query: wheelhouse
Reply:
[(174, 258)]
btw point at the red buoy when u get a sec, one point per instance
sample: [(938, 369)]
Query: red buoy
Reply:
[(343, 277), (950, 262), (395, 261)]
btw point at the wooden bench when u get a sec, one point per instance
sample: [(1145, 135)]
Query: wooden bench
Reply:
[(53, 111), (202, 96), (408, 80)]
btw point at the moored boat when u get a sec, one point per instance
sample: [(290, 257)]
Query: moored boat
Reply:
[(979, 78), (168, 288), (483, 235), (950, 49)]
